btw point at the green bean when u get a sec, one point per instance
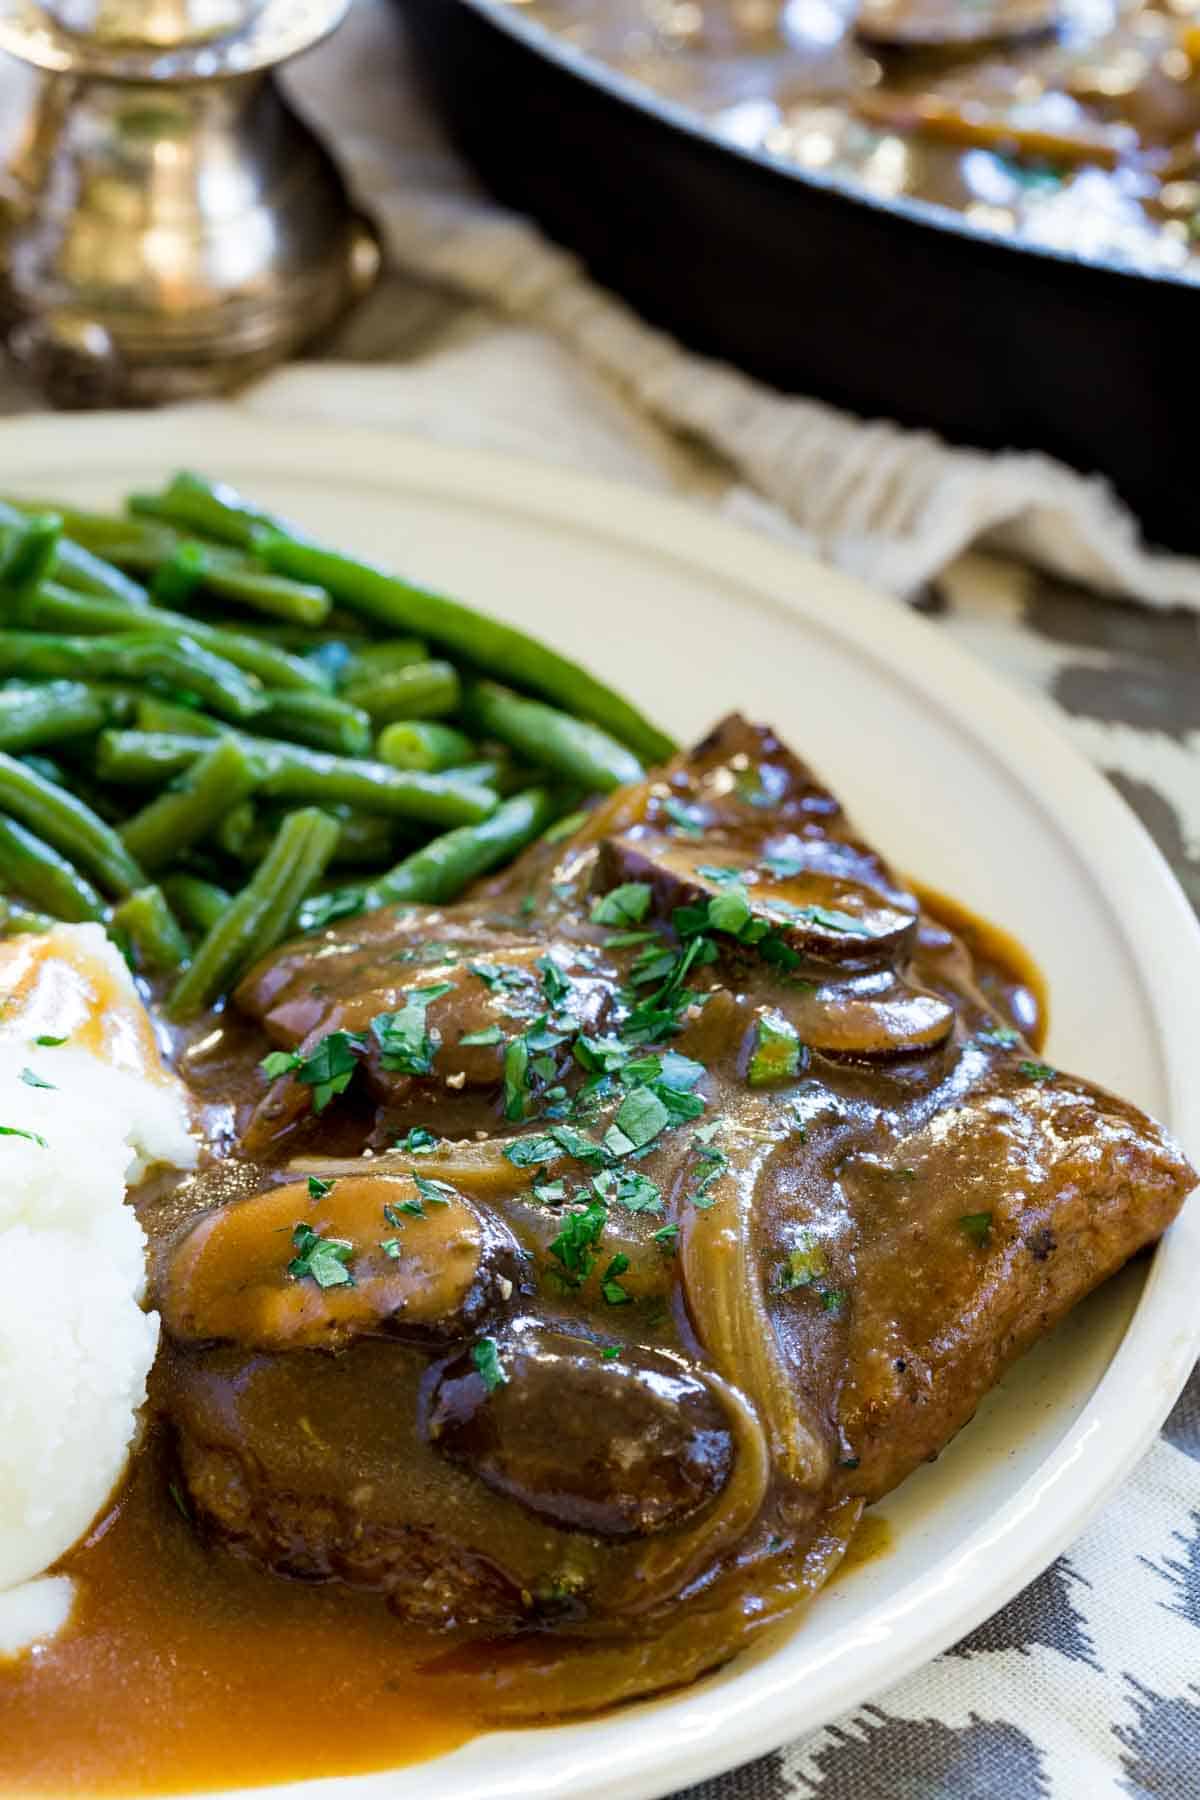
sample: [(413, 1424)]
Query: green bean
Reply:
[(95, 530), (30, 549), (145, 758), (67, 824), (214, 783), (423, 690), (55, 608), (487, 644), (36, 870), (363, 838), (293, 772), (321, 720), (73, 564), (235, 833), (551, 739), (147, 925), (17, 919), (45, 715), (261, 914), (441, 869), (192, 566), (134, 656), (208, 507), (197, 902), (420, 744), (367, 660), (153, 714)]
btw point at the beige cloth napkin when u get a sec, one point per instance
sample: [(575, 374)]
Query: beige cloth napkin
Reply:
[(576, 376)]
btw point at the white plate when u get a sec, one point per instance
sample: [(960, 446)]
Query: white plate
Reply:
[(958, 780)]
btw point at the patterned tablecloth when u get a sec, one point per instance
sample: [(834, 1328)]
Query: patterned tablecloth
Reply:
[(1088, 1684)]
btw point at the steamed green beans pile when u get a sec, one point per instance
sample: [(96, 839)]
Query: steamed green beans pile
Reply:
[(215, 732)]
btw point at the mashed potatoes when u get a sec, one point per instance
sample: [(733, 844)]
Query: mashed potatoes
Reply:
[(79, 1120)]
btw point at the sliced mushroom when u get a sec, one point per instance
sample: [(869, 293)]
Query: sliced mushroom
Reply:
[(251, 1273), (873, 1017), (929, 24), (618, 1448), (817, 903)]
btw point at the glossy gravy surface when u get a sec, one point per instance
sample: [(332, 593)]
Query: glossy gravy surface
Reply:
[(187, 1667), (1071, 124)]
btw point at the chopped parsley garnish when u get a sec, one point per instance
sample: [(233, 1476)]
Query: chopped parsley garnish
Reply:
[(34, 1137), (516, 1078), (1002, 1036), (659, 1015), (323, 1259), (574, 1247), (391, 1247), (730, 911), (50, 1043), (610, 1352), (610, 1286), (806, 1264), (831, 919), (635, 1192), (531, 1152), (555, 985), (640, 1117), (35, 1081), (666, 1236), (549, 1193), (499, 976), (807, 1267), (600, 1055), (491, 1034), (317, 1189), (418, 1141), (783, 866), (575, 1143), (486, 1357), (438, 1193), (559, 1140), (778, 1053), (395, 1215), (406, 1046), (721, 873), (712, 1160), (688, 819), (328, 1071), (623, 906), (320, 910), (1037, 1071), (978, 1227), (652, 964)]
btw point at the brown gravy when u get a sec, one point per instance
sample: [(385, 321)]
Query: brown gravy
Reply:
[(186, 1667)]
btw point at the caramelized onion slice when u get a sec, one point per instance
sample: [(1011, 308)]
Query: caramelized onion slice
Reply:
[(981, 127), (249, 1272)]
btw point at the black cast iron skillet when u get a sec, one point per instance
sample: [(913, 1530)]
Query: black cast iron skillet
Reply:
[(889, 308)]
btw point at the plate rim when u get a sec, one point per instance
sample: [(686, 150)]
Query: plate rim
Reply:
[(1162, 1339)]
